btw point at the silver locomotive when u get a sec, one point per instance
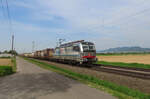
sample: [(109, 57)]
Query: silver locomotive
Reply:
[(76, 52)]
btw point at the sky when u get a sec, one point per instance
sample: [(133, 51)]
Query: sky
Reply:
[(107, 23)]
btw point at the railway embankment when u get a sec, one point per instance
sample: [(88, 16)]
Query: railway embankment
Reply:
[(123, 87)]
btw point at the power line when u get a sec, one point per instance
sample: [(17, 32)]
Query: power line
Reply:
[(10, 24), (9, 18), (3, 9)]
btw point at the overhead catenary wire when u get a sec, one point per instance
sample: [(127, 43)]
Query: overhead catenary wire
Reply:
[(134, 15), (124, 20)]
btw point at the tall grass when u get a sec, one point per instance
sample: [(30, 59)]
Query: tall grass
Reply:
[(117, 89), (121, 64)]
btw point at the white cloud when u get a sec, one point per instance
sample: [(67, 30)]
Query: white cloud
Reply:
[(116, 22), (83, 14)]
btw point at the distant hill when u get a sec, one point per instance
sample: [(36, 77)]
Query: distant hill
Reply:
[(125, 50)]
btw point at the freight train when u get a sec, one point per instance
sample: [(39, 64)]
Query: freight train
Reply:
[(77, 52)]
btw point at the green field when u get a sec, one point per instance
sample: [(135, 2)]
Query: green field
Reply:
[(122, 92), (120, 64)]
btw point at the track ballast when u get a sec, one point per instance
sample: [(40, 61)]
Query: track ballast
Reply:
[(126, 71), (133, 72)]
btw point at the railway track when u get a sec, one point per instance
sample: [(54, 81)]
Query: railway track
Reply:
[(133, 72), (126, 71)]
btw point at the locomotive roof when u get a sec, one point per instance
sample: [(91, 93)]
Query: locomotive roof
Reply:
[(75, 42), (70, 43), (89, 43)]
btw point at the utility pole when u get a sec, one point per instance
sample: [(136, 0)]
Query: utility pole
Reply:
[(12, 44), (10, 25)]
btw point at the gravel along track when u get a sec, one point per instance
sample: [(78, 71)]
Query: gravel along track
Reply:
[(33, 82), (127, 68), (144, 74), (142, 85)]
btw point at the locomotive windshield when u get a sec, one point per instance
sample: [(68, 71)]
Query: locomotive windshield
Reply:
[(87, 46)]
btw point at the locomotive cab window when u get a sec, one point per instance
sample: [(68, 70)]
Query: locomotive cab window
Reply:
[(85, 47), (88, 46), (91, 47), (76, 48)]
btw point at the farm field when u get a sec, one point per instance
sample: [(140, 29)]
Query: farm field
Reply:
[(5, 62), (143, 59), (7, 66)]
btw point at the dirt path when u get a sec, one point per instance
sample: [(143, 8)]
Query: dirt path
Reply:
[(33, 82), (131, 82)]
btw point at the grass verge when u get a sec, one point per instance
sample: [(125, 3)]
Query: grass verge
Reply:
[(14, 67), (7, 70), (120, 64), (121, 92)]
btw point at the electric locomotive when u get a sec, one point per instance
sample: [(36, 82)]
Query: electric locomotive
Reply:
[(77, 52)]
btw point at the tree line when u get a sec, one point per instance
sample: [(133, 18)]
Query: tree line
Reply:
[(9, 52)]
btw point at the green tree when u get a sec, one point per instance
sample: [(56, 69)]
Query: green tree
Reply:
[(13, 52), (5, 52)]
